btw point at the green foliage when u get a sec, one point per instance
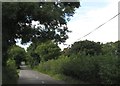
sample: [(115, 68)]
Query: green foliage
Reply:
[(16, 23), (17, 18), (93, 69), (29, 60), (109, 48), (81, 68), (47, 51), (10, 74), (108, 69), (53, 66), (85, 47), (17, 53), (32, 57), (84, 69)]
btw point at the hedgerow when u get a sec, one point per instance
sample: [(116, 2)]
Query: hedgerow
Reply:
[(97, 69)]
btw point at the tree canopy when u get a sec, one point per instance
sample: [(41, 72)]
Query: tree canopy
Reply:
[(85, 47), (47, 51), (17, 21), (17, 53)]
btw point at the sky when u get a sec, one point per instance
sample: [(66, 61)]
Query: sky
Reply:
[(89, 16)]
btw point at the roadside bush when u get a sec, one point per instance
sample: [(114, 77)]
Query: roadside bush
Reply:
[(9, 72), (94, 69), (109, 71), (80, 67), (87, 61), (53, 66)]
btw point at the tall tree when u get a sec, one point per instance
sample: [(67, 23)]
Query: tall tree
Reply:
[(47, 51), (17, 21)]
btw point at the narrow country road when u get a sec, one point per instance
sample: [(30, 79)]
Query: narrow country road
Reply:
[(28, 76)]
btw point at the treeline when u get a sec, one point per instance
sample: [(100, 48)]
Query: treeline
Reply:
[(87, 61)]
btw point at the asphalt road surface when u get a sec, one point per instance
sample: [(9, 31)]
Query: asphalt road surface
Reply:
[(28, 76)]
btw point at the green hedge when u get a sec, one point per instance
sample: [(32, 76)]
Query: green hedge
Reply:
[(53, 66), (109, 69), (96, 69), (9, 73)]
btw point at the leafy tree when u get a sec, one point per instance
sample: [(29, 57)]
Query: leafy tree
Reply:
[(109, 48), (32, 57), (17, 22), (86, 47), (17, 53), (47, 51)]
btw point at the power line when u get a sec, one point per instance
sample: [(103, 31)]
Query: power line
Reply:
[(99, 26)]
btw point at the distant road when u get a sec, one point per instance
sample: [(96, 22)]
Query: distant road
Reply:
[(28, 76)]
